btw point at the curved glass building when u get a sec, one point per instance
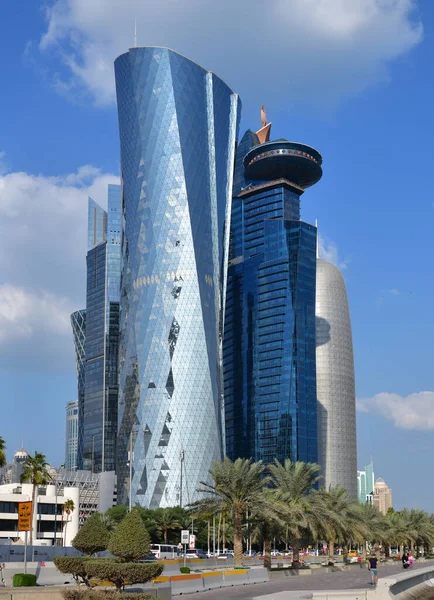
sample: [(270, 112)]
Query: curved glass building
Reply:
[(335, 381), (269, 337), (178, 126), (78, 324)]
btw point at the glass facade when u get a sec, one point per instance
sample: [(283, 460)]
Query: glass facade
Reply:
[(78, 324), (178, 126), (98, 418), (269, 333), (71, 435)]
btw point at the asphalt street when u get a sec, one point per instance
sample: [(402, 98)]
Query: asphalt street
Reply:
[(300, 586)]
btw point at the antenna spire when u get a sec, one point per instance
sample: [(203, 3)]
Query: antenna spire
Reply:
[(135, 32)]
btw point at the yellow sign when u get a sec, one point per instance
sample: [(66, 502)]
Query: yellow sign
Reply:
[(25, 515)]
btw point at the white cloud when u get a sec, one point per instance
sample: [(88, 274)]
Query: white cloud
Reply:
[(394, 292), (43, 241), (314, 51), (415, 411), (328, 250)]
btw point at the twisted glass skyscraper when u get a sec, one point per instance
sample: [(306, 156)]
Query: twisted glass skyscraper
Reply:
[(269, 335), (178, 127)]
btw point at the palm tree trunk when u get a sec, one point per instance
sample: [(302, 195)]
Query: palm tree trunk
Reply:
[(209, 536), (64, 531), (238, 536), (34, 507), (224, 535), (364, 551), (296, 553), (345, 553), (267, 548), (218, 533), (332, 550), (387, 550), (165, 535)]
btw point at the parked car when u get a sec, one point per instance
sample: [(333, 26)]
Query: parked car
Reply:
[(195, 553), (275, 553), (224, 555), (148, 558)]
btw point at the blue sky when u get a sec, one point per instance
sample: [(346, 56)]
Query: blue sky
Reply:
[(352, 79)]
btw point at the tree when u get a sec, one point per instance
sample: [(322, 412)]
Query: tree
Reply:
[(116, 513), (68, 507), (131, 540), (92, 537), (293, 482), (35, 471), (165, 520), (236, 487), (2, 452)]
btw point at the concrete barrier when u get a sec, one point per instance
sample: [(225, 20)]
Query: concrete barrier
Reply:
[(212, 579), (341, 595), (46, 573), (186, 584), (235, 577), (259, 575)]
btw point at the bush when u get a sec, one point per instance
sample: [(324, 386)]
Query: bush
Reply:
[(131, 539), (23, 580), (119, 573), (104, 595), (73, 565), (92, 537), (185, 569)]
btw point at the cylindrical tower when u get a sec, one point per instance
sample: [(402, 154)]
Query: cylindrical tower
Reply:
[(337, 448), (178, 126)]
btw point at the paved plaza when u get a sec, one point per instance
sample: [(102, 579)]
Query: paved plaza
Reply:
[(301, 587)]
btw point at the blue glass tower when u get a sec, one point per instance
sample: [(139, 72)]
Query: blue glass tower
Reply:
[(269, 335), (78, 324), (178, 127), (98, 409)]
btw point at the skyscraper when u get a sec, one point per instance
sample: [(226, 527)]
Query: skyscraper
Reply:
[(98, 413), (382, 496), (178, 127), (337, 444), (78, 324), (365, 484), (71, 445), (269, 334)]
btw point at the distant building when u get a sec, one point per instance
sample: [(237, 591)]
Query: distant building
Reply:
[(71, 435), (365, 484), (48, 518), (337, 447), (78, 324), (382, 496)]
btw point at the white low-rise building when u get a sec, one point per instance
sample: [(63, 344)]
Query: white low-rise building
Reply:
[(48, 518)]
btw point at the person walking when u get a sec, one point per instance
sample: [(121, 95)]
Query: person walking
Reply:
[(405, 561), (410, 559), (373, 567)]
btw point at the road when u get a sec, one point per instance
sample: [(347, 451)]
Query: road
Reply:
[(300, 586)]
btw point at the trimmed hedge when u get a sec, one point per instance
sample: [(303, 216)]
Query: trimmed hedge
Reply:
[(185, 569), (104, 595), (131, 539), (73, 565), (23, 580), (119, 574), (92, 537)]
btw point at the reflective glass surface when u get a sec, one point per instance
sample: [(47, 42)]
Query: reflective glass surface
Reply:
[(78, 323), (71, 435), (269, 336), (178, 125)]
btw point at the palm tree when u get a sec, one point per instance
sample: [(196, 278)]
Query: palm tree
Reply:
[(165, 521), (293, 482), (35, 471), (2, 452), (420, 527), (235, 489), (68, 508)]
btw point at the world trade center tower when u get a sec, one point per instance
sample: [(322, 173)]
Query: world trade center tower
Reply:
[(178, 127)]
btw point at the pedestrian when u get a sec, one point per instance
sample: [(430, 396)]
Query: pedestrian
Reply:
[(410, 559), (373, 567), (405, 562)]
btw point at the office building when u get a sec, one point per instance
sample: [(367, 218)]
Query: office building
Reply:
[(337, 445), (365, 484), (78, 324), (382, 496), (99, 328), (71, 445), (269, 332), (178, 128)]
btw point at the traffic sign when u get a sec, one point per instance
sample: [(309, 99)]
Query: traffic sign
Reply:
[(185, 536), (192, 544), (25, 515)]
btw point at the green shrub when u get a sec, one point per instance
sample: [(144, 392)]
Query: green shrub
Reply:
[(119, 573), (73, 565), (185, 569), (92, 537), (131, 539), (104, 595), (23, 580)]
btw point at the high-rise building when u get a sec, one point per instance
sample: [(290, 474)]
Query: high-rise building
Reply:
[(382, 496), (71, 445), (178, 128), (365, 483), (78, 324), (98, 407), (337, 448), (269, 332)]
